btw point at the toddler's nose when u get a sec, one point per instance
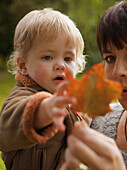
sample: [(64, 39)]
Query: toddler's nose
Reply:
[(59, 66)]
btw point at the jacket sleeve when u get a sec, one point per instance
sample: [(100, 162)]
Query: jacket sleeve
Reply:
[(28, 120), (17, 119)]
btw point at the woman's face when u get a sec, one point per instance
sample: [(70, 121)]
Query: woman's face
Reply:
[(116, 68)]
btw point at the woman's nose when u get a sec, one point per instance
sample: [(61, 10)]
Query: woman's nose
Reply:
[(120, 69)]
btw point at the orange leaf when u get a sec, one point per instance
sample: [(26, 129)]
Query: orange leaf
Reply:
[(93, 92)]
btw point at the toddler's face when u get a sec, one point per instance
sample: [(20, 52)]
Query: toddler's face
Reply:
[(46, 61), (116, 68)]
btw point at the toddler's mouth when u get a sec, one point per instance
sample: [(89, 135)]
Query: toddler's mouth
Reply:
[(59, 78)]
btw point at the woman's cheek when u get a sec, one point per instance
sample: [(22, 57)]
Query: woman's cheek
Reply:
[(109, 72)]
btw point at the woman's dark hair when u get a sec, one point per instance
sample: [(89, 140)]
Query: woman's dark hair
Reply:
[(112, 27)]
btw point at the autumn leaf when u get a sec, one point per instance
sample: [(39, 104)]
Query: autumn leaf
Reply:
[(94, 92)]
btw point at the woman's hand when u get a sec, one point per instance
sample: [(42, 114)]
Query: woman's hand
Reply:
[(95, 150)]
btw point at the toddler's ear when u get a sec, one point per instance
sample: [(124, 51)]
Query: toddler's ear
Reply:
[(21, 63)]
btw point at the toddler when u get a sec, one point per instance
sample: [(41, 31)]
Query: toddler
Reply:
[(34, 116)]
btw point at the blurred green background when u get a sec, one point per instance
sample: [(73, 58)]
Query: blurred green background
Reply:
[(85, 13)]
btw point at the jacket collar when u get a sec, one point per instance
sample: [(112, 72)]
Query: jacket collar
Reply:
[(25, 80)]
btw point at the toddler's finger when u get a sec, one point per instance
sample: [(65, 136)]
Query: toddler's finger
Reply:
[(61, 88), (57, 112), (59, 122), (63, 101)]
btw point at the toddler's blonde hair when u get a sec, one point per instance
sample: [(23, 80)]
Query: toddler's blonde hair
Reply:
[(49, 24)]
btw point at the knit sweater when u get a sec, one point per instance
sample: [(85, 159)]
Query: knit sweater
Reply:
[(108, 124)]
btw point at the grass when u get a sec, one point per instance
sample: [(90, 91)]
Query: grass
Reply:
[(7, 82)]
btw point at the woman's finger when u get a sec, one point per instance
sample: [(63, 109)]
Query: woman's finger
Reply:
[(83, 152), (98, 142), (71, 162)]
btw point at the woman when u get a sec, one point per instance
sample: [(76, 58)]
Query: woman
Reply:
[(86, 145)]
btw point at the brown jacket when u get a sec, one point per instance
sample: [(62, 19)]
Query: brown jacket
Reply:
[(24, 148)]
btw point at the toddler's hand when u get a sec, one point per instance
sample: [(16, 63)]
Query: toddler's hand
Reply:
[(55, 105)]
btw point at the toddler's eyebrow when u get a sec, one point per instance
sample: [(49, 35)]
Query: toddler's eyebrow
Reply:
[(48, 50), (70, 52)]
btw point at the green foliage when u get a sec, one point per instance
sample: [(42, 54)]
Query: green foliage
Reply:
[(2, 63), (87, 14)]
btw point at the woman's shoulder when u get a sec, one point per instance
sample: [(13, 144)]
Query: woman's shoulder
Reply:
[(108, 124), (116, 107), (117, 110)]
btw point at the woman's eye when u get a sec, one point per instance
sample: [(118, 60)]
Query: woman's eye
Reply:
[(47, 58), (110, 59), (68, 59)]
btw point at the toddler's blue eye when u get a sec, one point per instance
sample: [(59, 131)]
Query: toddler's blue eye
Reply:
[(68, 59), (47, 57)]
